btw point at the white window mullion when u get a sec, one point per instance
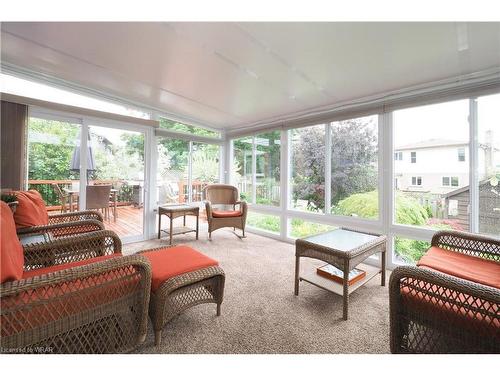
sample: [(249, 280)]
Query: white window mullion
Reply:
[(254, 172), (84, 145), (190, 173), (386, 180), (473, 167), (328, 168), (284, 172)]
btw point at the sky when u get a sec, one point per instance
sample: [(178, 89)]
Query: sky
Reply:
[(446, 121)]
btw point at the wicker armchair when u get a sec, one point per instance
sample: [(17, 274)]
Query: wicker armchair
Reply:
[(433, 312), (220, 194), (67, 224), (96, 306)]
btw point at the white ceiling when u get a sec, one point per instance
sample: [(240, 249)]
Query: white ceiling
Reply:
[(229, 75)]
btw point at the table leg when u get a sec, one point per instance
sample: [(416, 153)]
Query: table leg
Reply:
[(159, 225), (184, 219), (115, 204), (197, 224), (297, 270), (382, 282), (171, 227), (346, 290)]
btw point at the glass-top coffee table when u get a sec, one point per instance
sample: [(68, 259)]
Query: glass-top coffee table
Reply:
[(345, 249)]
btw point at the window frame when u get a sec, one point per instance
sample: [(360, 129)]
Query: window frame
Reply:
[(413, 157), (461, 154)]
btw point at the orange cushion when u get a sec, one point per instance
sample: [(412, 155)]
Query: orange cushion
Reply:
[(11, 251), (174, 261), (479, 270), (31, 210), (216, 213)]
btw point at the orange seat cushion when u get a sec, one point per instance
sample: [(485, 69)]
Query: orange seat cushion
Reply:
[(216, 213), (11, 251), (175, 261), (456, 310), (478, 270), (31, 210)]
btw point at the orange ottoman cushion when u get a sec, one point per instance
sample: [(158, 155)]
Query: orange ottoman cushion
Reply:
[(216, 213), (11, 251), (174, 261), (31, 210)]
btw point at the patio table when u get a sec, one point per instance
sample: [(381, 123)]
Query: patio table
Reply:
[(75, 192)]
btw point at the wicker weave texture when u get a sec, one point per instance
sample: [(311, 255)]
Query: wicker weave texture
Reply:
[(432, 312), (96, 308)]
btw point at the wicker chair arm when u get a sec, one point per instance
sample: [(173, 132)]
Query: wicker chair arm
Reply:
[(75, 216), (468, 243), (64, 228), (77, 273), (441, 289), (71, 249)]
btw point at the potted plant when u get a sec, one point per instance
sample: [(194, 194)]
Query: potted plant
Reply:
[(11, 201)]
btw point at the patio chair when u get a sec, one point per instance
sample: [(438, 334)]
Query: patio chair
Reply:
[(450, 301), (72, 295), (220, 194), (63, 198), (98, 198), (32, 218)]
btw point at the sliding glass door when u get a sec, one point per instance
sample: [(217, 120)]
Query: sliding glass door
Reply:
[(52, 168), (115, 178)]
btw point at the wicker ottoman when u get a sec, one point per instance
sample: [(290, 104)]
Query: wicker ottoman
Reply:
[(181, 278)]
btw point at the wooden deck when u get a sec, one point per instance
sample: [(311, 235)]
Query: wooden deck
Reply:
[(130, 221)]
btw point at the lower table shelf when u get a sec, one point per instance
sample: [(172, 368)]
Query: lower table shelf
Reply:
[(322, 282), (179, 230)]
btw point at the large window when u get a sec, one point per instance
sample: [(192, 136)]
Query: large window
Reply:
[(267, 156), (432, 180), (35, 90), (489, 164), (176, 182), (256, 168), (265, 222), (241, 168), (184, 128), (52, 149), (307, 168), (205, 168), (354, 167)]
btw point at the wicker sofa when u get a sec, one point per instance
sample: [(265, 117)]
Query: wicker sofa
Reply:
[(77, 295), (436, 312)]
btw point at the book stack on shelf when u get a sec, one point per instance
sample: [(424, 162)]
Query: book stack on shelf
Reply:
[(334, 274)]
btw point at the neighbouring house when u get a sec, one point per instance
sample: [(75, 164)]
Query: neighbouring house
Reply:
[(438, 166)]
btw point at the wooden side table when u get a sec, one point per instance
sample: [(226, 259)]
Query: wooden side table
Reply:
[(177, 210)]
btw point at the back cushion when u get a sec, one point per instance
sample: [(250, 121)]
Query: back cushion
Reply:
[(31, 210), (11, 251)]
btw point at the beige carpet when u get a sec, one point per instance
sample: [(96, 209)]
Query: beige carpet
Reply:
[(260, 314)]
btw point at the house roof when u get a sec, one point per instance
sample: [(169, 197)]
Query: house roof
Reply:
[(432, 143), (462, 189)]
